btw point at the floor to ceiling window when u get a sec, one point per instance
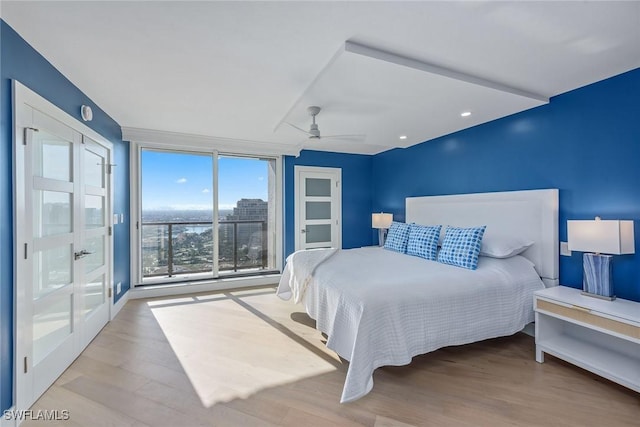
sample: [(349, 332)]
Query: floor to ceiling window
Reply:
[(203, 215)]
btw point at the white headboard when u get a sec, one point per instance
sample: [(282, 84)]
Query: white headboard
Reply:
[(532, 214)]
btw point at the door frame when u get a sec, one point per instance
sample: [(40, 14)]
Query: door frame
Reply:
[(24, 101), (136, 207), (335, 173)]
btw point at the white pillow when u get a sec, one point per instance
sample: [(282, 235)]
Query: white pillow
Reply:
[(500, 246)]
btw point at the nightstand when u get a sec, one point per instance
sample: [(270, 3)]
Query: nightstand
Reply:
[(600, 336)]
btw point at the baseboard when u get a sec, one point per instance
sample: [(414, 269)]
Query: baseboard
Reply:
[(530, 329), (212, 286), (12, 422), (115, 308)]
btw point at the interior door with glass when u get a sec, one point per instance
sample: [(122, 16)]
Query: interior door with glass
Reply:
[(62, 250), (318, 207), (93, 253), (52, 193)]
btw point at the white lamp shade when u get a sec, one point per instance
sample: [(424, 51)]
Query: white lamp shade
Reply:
[(601, 236), (381, 220)]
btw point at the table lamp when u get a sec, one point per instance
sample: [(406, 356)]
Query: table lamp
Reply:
[(595, 238), (381, 221)]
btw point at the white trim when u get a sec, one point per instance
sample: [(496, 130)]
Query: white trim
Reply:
[(116, 307), (374, 53), (135, 255), (209, 286), (529, 329), (31, 98), (336, 199), (279, 204), (238, 146)]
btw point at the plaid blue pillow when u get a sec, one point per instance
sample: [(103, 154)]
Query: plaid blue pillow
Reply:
[(461, 246), (423, 241), (397, 237)]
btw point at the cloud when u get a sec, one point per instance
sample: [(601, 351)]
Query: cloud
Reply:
[(261, 178), (181, 181), (205, 190)]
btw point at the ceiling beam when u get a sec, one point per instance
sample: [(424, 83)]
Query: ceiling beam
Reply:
[(382, 55)]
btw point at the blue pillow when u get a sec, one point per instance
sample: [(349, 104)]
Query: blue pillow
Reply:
[(423, 241), (397, 237), (461, 246)]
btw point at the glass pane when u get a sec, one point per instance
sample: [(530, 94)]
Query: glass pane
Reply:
[(93, 169), (52, 269), (93, 211), (318, 210), (318, 233), (177, 213), (51, 213), (94, 295), (318, 187), (94, 245), (50, 327), (52, 156), (246, 189), (155, 250), (192, 246)]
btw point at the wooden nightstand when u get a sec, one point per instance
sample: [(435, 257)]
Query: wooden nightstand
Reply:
[(600, 336)]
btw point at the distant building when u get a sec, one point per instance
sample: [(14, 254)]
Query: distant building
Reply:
[(251, 237), (250, 210)]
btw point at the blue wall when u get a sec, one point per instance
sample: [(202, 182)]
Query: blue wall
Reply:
[(21, 62), (356, 195), (585, 142)]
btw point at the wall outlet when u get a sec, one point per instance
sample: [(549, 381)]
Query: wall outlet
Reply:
[(115, 219), (564, 249), (121, 218), (118, 288)]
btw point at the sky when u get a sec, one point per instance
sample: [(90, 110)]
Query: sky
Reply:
[(181, 181)]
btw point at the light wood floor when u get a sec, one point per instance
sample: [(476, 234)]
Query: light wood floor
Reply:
[(247, 358)]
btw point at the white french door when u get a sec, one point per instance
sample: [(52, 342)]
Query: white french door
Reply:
[(63, 248), (318, 207), (95, 234)]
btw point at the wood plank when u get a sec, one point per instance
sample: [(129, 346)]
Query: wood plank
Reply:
[(248, 358)]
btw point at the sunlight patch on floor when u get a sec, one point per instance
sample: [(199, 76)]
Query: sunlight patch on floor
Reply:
[(227, 359)]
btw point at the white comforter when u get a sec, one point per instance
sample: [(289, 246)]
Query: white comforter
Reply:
[(380, 307)]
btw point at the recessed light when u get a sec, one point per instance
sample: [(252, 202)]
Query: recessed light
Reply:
[(466, 114), (403, 136)]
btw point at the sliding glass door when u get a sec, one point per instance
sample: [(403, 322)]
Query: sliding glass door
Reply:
[(176, 216), (203, 215)]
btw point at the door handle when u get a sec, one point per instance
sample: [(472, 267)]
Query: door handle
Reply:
[(303, 230), (83, 253)]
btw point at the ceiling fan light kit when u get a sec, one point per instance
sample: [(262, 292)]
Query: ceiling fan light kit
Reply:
[(314, 130)]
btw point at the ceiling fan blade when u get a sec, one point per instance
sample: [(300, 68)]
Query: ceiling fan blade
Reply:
[(354, 136), (296, 127)]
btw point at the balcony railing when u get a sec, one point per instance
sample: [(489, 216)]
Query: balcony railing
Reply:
[(177, 248)]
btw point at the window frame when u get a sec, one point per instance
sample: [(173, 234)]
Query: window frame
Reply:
[(136, 214)]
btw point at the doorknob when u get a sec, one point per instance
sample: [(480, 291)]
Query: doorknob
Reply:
[(83, 253)]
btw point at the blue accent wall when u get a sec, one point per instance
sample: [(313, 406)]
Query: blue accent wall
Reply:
[(585, 142), (356, 195), (20, 61)]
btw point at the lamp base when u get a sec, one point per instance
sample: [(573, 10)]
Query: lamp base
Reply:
[(598, 296), (381, 234), (597, 275)]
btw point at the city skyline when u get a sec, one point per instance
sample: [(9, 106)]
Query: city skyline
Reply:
[(184, 181)]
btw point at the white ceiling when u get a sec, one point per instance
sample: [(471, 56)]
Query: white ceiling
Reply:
[(240, 71)]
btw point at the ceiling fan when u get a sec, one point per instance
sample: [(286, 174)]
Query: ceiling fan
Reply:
[(314, 131)]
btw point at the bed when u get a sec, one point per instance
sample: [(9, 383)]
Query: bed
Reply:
[(379, 307)]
